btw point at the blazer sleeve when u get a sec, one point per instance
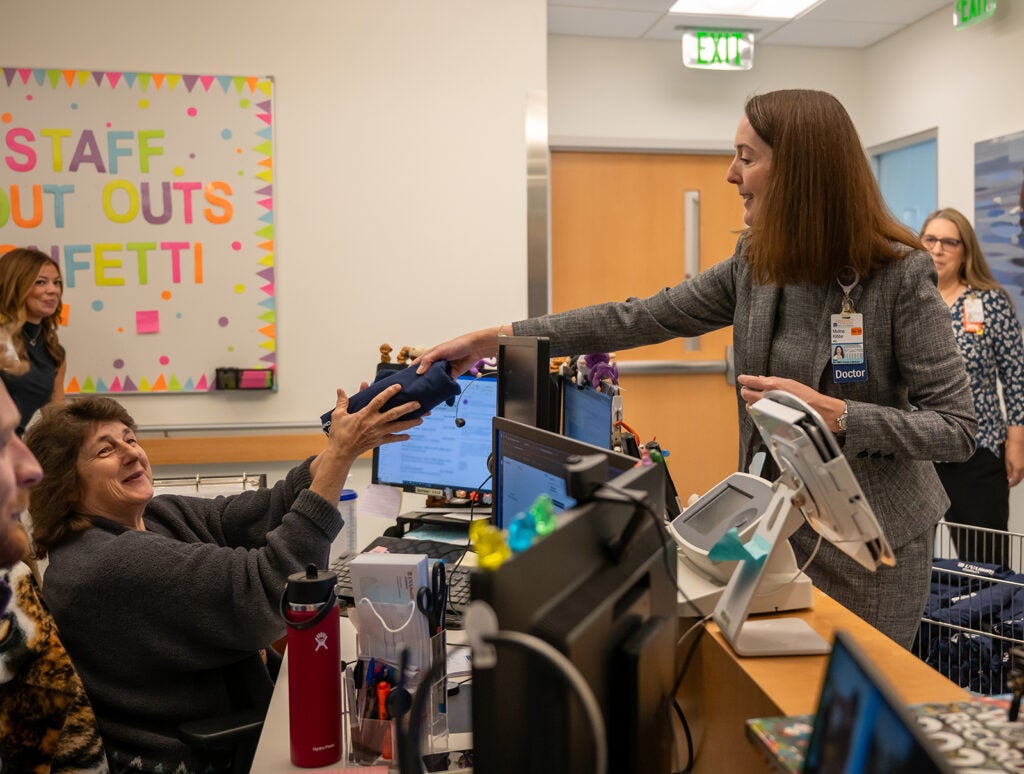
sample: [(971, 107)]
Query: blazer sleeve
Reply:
[(928, 375), (695, 306)]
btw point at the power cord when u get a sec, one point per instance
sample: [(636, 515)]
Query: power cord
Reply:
[(408, 739)]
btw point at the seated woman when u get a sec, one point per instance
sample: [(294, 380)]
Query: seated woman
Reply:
[(164, 603)]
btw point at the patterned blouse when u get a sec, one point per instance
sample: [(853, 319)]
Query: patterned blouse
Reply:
[(994, 354)]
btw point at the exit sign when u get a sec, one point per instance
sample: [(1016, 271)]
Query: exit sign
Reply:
[(718, 49), (967, 12)]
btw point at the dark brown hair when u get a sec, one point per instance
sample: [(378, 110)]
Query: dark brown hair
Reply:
[(18, 271), (56, 438), (974, 270), (822, 209)]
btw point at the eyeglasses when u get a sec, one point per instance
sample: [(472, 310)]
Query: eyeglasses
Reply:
[(948, 243)]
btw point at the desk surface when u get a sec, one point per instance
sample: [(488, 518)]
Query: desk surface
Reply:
[(722, 690), (273, 755)]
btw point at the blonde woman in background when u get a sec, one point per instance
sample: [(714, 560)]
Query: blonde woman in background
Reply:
[(988, 334), (31, 292)]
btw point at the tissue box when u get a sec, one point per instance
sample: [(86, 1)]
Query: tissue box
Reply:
[(391, 578)]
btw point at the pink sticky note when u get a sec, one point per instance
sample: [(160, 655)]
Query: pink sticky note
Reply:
[(147, 321)]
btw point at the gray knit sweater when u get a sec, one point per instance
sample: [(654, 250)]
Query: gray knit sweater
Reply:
[(154, 620)]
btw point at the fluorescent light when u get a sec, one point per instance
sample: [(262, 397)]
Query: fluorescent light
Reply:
[(759, 9)]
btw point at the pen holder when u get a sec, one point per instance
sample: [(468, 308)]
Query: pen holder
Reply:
[(435, 723), (372, 731)]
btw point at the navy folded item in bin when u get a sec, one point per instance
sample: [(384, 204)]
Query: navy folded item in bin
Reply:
[(429, 389)]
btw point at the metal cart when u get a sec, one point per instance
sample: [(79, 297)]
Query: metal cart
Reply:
[(975, 613)]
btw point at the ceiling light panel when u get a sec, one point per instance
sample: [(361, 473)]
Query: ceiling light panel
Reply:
[(756, 9)]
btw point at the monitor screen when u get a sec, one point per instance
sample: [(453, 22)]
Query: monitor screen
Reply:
[(862, 726), (440, 456), (589, 415), (615, 620), (527, 390), (529, 461)]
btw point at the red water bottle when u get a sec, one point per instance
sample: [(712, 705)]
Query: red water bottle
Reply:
[(314, 667)]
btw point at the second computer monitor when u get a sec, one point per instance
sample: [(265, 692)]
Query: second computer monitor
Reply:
[(590, 415), (529, 461), (527, 390)]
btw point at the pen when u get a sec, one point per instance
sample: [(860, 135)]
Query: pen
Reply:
[(383, 689)]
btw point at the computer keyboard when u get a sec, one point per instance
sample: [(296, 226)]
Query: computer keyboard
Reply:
[(458, 577)]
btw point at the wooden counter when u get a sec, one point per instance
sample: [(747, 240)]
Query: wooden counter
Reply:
[(722, 690)]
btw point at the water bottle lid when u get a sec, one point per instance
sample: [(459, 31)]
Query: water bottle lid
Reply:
[(310, 586), (347, 494)]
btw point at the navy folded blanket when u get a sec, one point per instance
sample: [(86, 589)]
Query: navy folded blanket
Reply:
[(429, 389)]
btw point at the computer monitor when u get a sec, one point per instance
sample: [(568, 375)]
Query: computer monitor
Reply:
[(589, 414), (861, 725), (614, 620), (442, 457), (527, 390), (529, 461)]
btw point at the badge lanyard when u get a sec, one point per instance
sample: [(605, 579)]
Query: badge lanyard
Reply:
[(848, 363)]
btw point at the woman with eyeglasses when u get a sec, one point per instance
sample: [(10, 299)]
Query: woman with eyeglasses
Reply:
[(988, 334)]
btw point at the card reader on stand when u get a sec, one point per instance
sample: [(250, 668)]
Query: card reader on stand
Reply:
[(735, 502)]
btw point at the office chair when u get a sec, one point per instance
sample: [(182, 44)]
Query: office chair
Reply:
[(236, 733)]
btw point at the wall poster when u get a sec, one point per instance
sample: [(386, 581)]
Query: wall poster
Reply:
[(154, 194), (999, 210)]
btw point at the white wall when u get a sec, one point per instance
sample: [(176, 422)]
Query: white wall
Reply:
[(399, 164), (626, 93), (960, 81)]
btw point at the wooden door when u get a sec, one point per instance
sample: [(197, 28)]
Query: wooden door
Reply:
[(618, 225)]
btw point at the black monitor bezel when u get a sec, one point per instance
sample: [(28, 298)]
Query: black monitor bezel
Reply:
[(541, 388), (562, 443)]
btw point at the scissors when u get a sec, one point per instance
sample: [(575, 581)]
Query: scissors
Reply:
[(432, 601)]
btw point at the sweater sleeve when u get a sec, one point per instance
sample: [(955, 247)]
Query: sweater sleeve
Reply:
[(241, 520)]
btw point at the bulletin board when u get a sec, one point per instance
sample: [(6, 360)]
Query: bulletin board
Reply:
[(999, 210), (154, 194)]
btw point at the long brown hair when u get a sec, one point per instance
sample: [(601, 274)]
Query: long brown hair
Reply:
[(18, 271), (822, 208), (974, 270), (56, 438)]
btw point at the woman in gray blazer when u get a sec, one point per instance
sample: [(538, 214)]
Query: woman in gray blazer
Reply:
[(819, 242)]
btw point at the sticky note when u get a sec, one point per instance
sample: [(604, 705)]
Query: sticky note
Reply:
[(147, 321)]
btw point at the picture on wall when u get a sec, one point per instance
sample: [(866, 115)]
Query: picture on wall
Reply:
[(999, 210), (153, 193)]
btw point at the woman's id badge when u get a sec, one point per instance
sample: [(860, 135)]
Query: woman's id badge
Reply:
[(974, 314), (848, 348)]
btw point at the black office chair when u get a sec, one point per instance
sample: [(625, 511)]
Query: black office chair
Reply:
[(235, 734)]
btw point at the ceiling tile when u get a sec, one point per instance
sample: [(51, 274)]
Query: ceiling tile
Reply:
[(600, 22), (831, 34)]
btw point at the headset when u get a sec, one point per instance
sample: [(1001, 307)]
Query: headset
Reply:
[(460, 421)]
